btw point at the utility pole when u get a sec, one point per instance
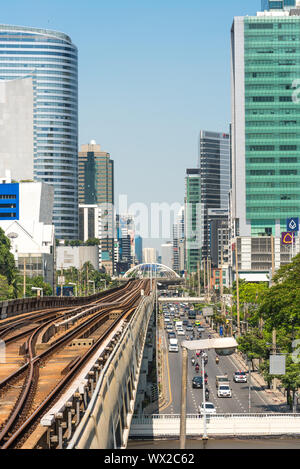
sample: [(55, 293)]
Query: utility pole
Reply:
[(204, 276), (221, 282), (237, 291), (274, 330), (183, 398), (199, 286), (24, 277)]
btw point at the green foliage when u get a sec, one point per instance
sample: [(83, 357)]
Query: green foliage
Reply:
[(38, 282), (6, 290)]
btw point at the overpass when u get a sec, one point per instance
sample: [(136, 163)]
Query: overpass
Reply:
[(181, 299), (230, 425)]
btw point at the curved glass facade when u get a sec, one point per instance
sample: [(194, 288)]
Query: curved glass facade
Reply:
[(51, 59)]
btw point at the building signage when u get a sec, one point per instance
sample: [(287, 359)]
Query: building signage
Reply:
[(292, 224), (277, 365), (287, 238), (208, 311)]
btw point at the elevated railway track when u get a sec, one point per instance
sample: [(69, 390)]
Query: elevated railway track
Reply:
[(57, 347)]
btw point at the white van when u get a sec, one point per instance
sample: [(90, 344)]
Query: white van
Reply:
[(173, 345), (178, 325)]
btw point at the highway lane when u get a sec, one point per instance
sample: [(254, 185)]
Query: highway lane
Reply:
[(238, 403)]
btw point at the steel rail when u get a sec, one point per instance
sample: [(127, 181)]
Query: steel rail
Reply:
[(24, 400)]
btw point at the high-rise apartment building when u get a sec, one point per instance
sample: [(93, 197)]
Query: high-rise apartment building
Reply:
[(265, 132), (96, 187), (49, 58), (214, 165)]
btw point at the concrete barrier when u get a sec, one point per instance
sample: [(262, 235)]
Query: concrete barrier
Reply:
[(234, 425)]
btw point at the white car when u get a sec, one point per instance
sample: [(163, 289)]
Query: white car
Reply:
[(209, 408), (240, 377), (180, 331), (224, 391)]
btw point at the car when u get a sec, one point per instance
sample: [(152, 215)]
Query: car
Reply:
[(171, 335), (240, 377), (197, 322), (185, 322), (180, 331), (209, 408), (197, 382), (200, 329), (222, 379), (189, 327), (224, 391)]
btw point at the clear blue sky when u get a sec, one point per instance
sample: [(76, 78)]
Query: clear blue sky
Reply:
[(152, 73)]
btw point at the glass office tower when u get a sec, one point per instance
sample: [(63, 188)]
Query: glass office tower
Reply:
[(277, 4), (266, 123), (50, 58), (214, 164), (192, 217)]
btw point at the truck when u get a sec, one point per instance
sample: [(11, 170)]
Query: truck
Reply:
[(173, 345), (178, 325), (222, 379)]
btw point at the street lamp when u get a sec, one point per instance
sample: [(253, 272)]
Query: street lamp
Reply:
[(39, 291), (103, 280), (223, 346), (92, 281), (75, 284)]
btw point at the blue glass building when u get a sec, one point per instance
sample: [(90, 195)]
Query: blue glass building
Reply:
[(9, 202), (51, 59), (277, 4)]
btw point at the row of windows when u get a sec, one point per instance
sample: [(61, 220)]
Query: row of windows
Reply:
[(273, 123), (268, 99), (8, 196), (269, 184), (272, 147), (272, 172), (41, 53), (273, 135), (272, 25), (36, 46), (273, 160), (7, 215)]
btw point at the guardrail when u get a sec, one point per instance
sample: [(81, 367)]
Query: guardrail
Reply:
[(11, 308), (163, 426)]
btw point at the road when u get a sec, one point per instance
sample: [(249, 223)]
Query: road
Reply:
[(239, 402)]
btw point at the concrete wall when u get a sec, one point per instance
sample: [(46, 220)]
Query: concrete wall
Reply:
[(16, 127), (76, 256)]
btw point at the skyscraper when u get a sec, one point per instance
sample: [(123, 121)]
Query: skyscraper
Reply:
[(214, 165), (50, 58), (265, 133), (277, 4), (96, 187), (192, 219)]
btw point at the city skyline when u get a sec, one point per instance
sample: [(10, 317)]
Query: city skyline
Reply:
[(146, 76)]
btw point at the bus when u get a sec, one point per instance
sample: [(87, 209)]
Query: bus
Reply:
[(192, 314)]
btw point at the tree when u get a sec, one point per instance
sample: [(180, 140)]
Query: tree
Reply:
[(37, 282), (6, 290), (7, 262)]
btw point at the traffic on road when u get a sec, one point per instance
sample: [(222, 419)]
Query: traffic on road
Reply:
[(228, 388)]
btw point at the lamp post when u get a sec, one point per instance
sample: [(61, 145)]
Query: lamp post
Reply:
[(92, 281), (39, 291), (103, 280), (75, 284)]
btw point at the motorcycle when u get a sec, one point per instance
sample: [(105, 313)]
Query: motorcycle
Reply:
[(206, 394), (217, 360), (193, 361), (197, 368)]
